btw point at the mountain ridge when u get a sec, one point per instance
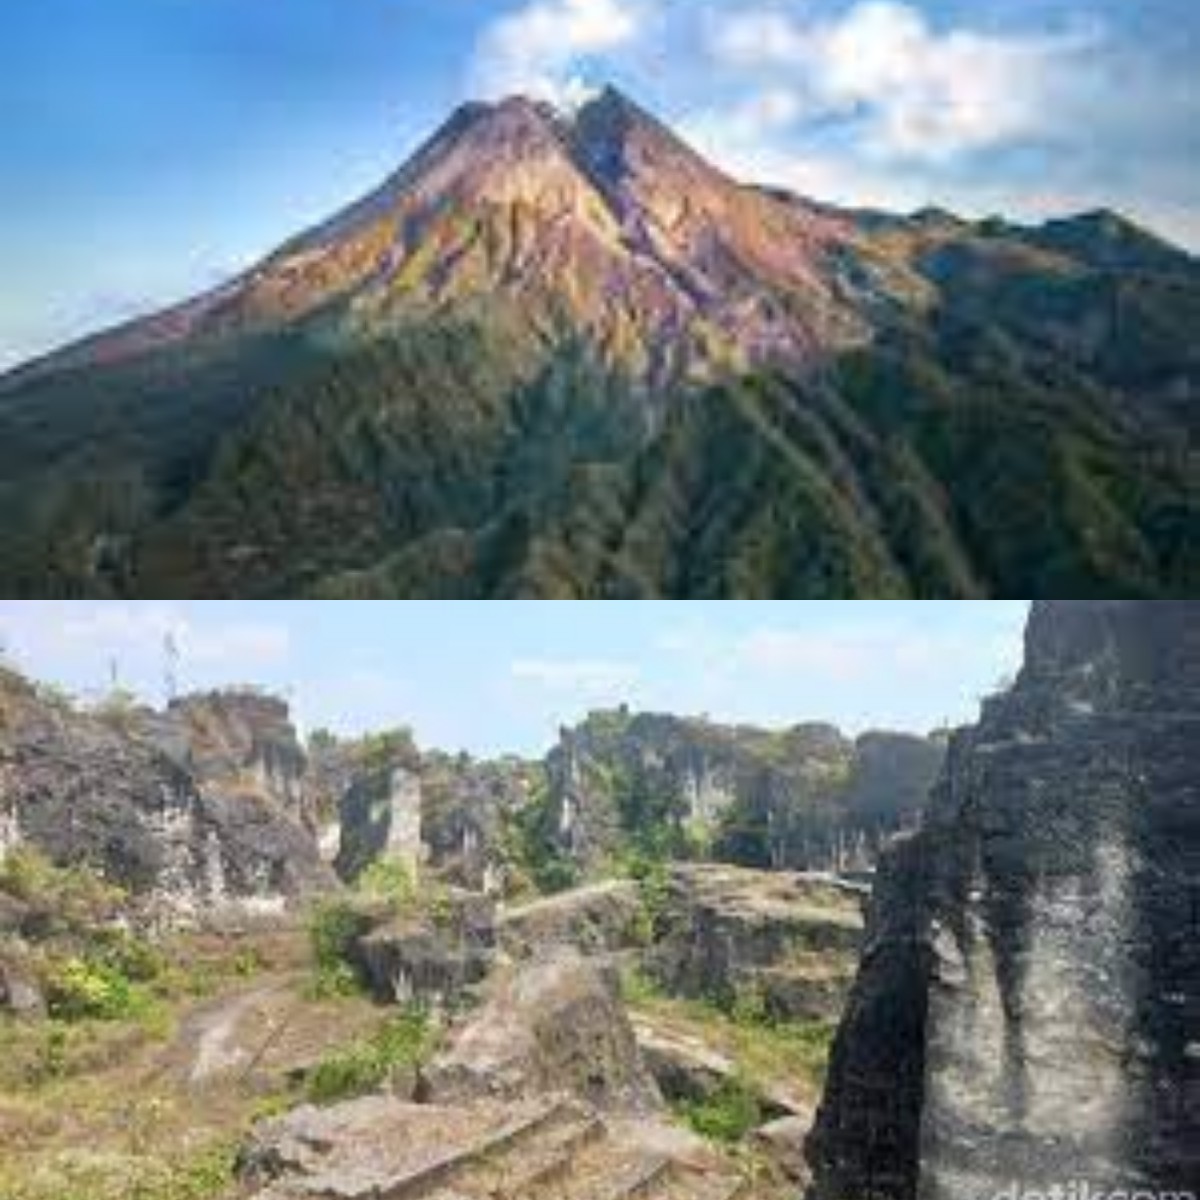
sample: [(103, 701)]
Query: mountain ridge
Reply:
[(559, 356)]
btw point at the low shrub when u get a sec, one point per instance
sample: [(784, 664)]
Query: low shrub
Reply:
[(80, 989), (333, 928), (390, 880), (405, 1040), (727, 1114)]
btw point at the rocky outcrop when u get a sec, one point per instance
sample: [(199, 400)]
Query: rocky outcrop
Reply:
[(781, 1142), (432, 956), (555, 1026), (235, 741), (96, 788), (688, 1068), (801, 798), (381, 821), (547, 1148), (466, 805), (438, 812), (20, 991), (784, 943), (605, 918), (1027, 1005)]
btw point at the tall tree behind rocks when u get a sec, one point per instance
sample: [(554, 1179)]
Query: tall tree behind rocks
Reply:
[(1027, 1010)]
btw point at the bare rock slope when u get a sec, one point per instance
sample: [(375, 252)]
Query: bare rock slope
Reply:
[(1028, 1004)]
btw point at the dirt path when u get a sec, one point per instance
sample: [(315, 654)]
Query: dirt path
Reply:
[(226, 1035)]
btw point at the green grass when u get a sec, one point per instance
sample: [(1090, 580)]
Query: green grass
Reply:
[(782, 1053), (333, 927), (727, 1115), (202, 1174), (406, 1040)]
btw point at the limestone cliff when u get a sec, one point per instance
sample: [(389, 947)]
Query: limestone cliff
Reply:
[(152, 806), (1028, 1005), (441, 811), (803, 798), (241, 740)]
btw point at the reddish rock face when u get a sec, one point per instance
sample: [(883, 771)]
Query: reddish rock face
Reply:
[(603, 225)]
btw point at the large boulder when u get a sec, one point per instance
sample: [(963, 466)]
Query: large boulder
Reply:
[(552, 1148), (604, 918), (1026, 1008), (434, 953), (783, 942), (555, 1026), (20, 993)]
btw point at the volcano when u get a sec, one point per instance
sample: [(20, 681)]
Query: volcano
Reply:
[(564, 355)]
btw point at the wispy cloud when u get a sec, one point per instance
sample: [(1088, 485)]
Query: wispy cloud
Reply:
[(541, 49), (865, 655), (911, 92), (887, 103), (880, 104), (120, 627), (585, 677)]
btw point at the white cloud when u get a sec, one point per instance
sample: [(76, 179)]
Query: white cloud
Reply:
[(587, 677), (913, 92), (854, 653), (540, 49)]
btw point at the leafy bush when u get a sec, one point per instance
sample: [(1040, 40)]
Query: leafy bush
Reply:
[(532, 850), (390, 748), (75, 895), (638, 988), (654, 889), (389, 879), (725, 1115), (333, 928), (79, 989), (749, 1006), (406, 1040)]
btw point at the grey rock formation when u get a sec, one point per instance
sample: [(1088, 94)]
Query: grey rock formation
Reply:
[(466, 803), (380, 812), (97, 789), (20, 993), (687, 1068), (603, 919), (781, 1142), (555, 1026), (548, 1148), (781, 942), (236, 741), (801, 798), (1028, 1007), (430, 957), (441, 812)]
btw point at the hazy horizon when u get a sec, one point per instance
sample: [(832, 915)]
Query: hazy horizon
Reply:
[(501, 677)]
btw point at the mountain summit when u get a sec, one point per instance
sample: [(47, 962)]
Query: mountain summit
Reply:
[(602, 225), (563, 354)]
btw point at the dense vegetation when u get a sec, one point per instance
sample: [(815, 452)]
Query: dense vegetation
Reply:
[(1027, 436)]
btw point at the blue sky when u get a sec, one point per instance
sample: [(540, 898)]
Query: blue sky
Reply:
[(492, 677), (149, 148)]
